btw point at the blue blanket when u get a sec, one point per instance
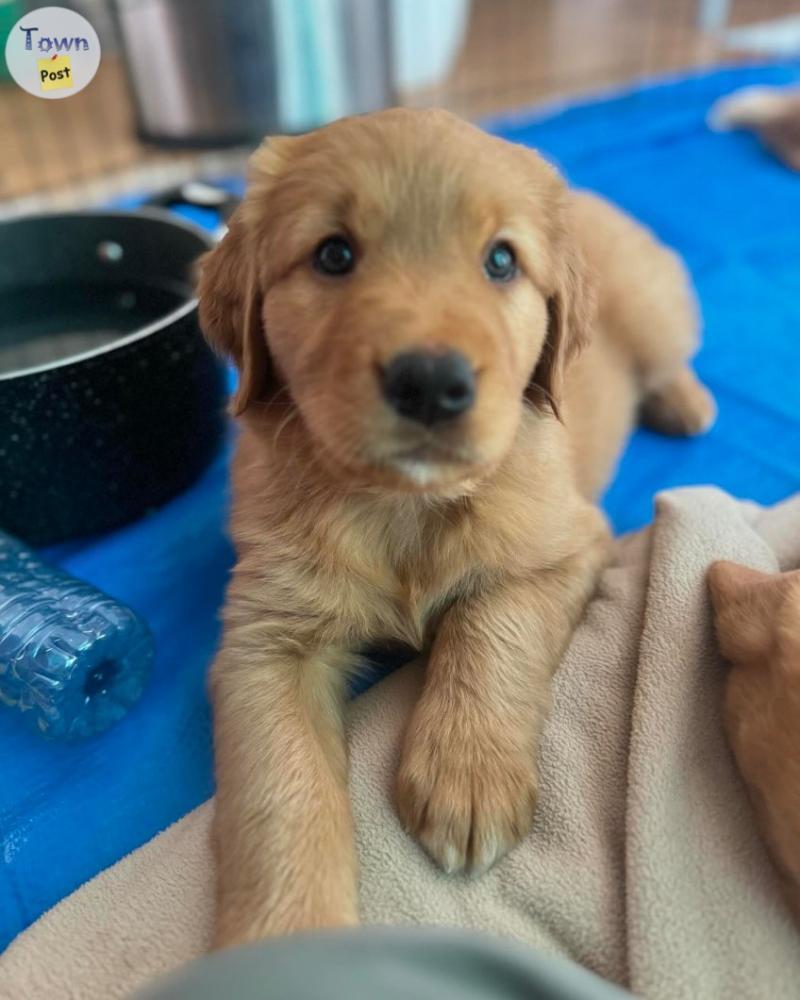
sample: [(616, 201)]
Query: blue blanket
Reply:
[(67, 812)]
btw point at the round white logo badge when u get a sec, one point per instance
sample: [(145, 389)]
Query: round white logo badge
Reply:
[(53, 52)]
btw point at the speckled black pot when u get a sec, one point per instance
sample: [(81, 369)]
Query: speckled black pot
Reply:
[(93, 440)]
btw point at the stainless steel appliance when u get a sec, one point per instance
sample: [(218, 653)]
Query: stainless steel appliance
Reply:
[(222, 72)]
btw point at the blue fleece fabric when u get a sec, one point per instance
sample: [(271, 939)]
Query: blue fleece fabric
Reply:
[(68, 811)]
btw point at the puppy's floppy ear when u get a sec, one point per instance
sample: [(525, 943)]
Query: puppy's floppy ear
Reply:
[(756, 614), (231, 297), (570, 312), (230, 311)]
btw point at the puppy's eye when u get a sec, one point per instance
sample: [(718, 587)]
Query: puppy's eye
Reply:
[(334, 256), (500, 263)]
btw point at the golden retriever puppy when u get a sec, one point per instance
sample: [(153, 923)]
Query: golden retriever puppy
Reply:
[(757, 618), (406, 299)]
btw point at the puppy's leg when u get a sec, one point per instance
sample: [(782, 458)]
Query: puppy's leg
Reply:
[(283, 830), (682, 406), (468, 779), (648, 310)]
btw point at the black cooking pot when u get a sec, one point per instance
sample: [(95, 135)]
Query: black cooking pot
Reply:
[(110, 400)]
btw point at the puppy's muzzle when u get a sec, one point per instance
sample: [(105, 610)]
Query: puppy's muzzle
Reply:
[(427, 387)]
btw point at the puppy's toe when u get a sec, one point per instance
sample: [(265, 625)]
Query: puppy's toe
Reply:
[(465, 812)]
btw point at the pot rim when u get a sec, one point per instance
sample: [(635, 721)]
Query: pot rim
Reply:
[(190, 305)]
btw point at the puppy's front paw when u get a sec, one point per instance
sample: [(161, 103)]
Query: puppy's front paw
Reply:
[(467, 804)]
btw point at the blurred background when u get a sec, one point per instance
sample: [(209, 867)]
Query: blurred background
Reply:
[(186, 87)]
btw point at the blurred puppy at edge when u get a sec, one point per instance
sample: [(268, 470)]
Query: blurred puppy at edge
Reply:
[(441, 352), (773, 113), (757, 618)]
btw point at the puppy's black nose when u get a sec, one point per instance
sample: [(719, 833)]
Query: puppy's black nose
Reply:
[(428, 387)]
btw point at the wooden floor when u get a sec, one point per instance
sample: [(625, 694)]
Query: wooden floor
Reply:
[(515, 53), (519, 52)]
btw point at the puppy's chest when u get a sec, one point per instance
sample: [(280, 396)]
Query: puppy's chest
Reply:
[(407, 569)]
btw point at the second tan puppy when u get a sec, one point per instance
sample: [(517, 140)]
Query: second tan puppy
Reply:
[(406, 299), (757, 618)]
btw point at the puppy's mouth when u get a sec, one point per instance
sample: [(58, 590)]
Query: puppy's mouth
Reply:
[(432, 464)]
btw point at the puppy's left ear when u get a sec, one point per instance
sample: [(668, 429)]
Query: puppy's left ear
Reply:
[(571, 308)]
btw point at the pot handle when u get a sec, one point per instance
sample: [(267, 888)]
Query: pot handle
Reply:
[(202, 195), (199, 194)]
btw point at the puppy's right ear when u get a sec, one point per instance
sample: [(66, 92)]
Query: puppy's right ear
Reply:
[(230, 312)]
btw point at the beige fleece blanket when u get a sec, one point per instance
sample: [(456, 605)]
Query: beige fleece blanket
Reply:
[(644, 863)]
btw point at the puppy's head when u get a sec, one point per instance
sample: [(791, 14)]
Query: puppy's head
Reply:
[(409, 283)]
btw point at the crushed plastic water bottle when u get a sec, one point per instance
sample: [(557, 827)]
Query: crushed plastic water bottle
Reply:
[(72, 660)]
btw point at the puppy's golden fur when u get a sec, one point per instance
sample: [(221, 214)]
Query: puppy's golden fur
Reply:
[(757, 619), (476, 541)]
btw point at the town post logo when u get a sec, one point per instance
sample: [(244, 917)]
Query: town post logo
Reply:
[(55, 73), (52, 52)]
